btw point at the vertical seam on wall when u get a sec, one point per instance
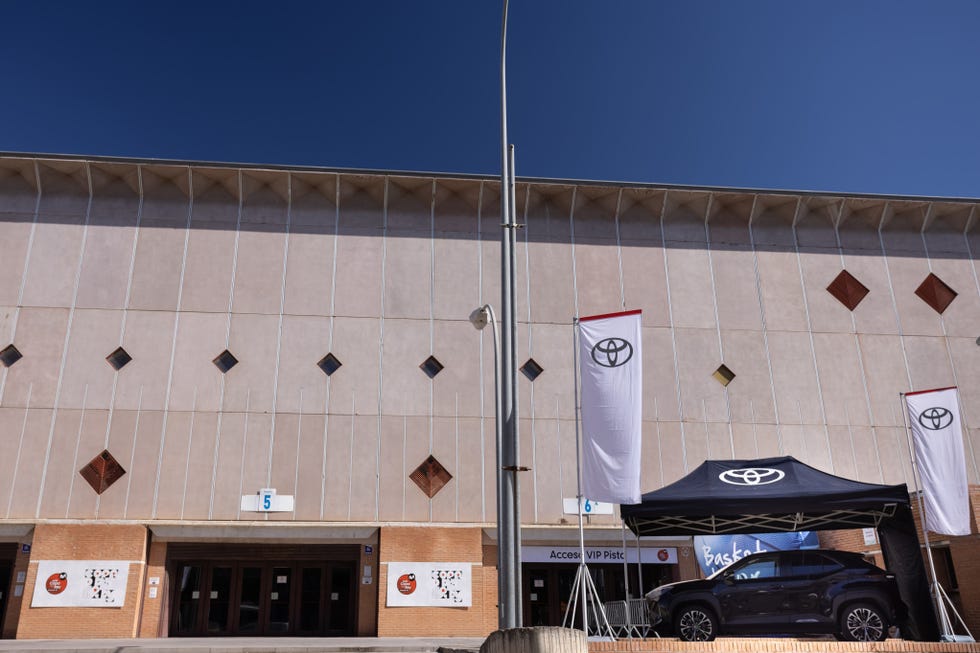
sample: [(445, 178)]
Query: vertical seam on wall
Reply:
[(299, 443), (483, 417), (404, 461), (231, 309), (432, 381), (721, 344), (813, 356), (765, 336), (132, 453), (173, 348), (571, 226), (187, 461), (23, 278), (864, 378), (561, 476), (66, 346), (20, 447), (78, 441), (241, 469), (282, 308), (350, 467), (456, 429), (530, 352), (673, 333), (381, 358), (333, 299), (660, 445), (619, 251)]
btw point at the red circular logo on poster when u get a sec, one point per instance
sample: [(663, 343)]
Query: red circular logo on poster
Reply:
[(56, 583), (406, 583), (663, 555)]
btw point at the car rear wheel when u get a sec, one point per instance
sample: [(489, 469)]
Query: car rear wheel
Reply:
[(863, 622), (695, 623)]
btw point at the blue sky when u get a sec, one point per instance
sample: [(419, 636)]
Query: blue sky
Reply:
[(874, 97)]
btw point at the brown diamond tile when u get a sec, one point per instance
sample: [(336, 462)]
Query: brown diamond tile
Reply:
[(847, 290), (936, 293), (102, 471), (431, 476)]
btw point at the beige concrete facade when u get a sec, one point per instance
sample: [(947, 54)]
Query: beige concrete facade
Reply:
[(177, 263)]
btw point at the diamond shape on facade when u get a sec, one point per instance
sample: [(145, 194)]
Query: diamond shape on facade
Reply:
[(847, 290), (118, 359), (431, 366), (102, 471), (936, 293), (329, 364), (10, 355), (531, 369), (225, 361), (431, 476), (723, 375)]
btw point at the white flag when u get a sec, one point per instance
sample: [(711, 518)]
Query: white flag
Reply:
[(936, 432), (612, 403)]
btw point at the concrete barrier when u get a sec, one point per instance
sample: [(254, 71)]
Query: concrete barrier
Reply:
[(536, 640)]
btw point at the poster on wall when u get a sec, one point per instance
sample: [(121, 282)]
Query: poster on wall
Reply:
[(80, 584), (430, 584)]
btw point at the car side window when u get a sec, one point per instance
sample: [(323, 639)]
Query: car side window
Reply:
[(765, 567), (811, 565)]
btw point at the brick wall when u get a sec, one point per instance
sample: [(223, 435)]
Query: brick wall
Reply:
[(153, 620), (85, 542), (438, 544)]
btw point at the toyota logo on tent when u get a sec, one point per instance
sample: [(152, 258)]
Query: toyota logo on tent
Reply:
[(752, 476), (612, 352), (935, 419)]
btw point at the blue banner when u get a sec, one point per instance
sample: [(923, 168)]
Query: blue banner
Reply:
[(716, 552)]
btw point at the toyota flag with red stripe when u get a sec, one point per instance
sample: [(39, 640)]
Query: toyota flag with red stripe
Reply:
[(612, 402), (934, 416)]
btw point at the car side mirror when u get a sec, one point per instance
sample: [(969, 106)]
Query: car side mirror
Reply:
[(728, 577)]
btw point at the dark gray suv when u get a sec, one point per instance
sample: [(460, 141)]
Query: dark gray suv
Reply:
[(812, 591)]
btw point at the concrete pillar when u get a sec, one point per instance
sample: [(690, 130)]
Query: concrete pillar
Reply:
[(544, 639)]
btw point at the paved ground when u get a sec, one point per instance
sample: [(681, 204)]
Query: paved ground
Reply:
[(247, 645)]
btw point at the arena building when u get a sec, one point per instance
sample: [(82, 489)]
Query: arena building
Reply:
[(243, 400)]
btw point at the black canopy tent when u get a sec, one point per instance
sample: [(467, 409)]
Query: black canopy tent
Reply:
[(783, 494)]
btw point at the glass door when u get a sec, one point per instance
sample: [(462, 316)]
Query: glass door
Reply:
[(188, 592), (218, 603), (341, 611), (249, 601), (311, 600), (280, 601)]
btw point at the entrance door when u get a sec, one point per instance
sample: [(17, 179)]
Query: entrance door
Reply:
[(6, 569), (547, 591), (264, 598)]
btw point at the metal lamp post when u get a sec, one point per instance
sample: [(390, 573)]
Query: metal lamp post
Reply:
[(509, 529)]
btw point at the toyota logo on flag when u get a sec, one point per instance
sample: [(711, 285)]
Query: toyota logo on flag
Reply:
[(612, 352), (752, 476), (936, 418)]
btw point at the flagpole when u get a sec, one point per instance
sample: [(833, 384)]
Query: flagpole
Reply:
[(947, 628), (578, 476)]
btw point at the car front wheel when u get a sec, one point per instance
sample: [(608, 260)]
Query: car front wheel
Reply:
[(695, 624), (863, 622)]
